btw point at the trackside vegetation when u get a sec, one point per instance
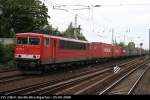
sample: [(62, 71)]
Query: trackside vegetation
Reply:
[(7, 56)]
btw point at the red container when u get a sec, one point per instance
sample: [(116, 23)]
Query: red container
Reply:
[(100, 50), (117, 51), (105, 50), (124, 52), (94, 50)]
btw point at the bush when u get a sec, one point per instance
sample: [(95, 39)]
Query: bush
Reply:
[(2, 51), (9, 52), (7, 55), (11, 64)]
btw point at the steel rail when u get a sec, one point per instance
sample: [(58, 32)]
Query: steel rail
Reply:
[(72, 80), (23, 89), (120, 79), (138, 80)]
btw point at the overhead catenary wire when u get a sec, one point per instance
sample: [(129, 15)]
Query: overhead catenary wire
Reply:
[(81, 16), (73, 12), (90, 7)]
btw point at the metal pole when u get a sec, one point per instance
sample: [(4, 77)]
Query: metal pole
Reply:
[(75, 23), (75, 27), (140, 50), (124, 38), (149, 43), (112, 36)]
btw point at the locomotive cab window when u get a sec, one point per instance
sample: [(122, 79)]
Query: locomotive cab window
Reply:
[(47, 42), (22, 40), (34, 41)]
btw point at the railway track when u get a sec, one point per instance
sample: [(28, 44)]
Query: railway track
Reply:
[(137, 81), (84, 87), (14, 81), (8, 70), (9, 73), (9, 76), (125, 85), (56, 85)]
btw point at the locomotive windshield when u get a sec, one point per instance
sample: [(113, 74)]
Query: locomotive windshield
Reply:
[(34, 41), (28, 41), (22, 40)]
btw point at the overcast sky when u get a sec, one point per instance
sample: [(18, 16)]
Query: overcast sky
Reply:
[(130, 19)]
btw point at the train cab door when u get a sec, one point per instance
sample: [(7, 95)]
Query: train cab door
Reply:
[(54, 50), (88, 51), (93, 50), (46, 51)]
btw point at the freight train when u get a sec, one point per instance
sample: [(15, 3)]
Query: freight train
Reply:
[(39, 52)]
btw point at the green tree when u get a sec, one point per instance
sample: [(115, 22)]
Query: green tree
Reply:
[(70, 32), (9, 52), (122, 44), (2, 51), (131, 45), (22, 16), (7, 55), (47, 29)]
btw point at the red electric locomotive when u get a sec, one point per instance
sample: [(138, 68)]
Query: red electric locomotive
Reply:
[(35, 51)]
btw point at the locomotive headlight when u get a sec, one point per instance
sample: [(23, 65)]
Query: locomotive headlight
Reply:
[(17, 56), (34, 57), (38, 56)]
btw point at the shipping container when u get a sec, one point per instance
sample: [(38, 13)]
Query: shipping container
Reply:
[(105, 50), (94, 50), (135, 51), (129, 51), (117, 51), (138, 50), (124, 52), (100, 50)]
